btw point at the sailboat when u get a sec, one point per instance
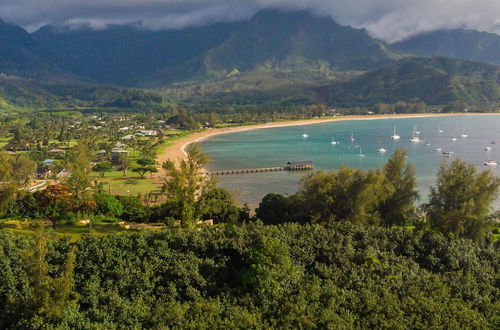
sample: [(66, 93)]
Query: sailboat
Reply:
[(490, 162), (414, 138), (439, 129), (394, 135), (334, 142), (382, 150), (360, 153), (463, 133), (352, 137), (426, 142)]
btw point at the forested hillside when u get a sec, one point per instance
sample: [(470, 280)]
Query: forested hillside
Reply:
[(463, 44), (435, 81)]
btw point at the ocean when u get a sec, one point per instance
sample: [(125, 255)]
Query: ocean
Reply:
[(276, 146)]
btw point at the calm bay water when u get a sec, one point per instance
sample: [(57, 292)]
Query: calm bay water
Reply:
[(276, 146)]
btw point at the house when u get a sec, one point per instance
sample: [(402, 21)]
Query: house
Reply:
[(43, 172), (116, 154), (299, 165)]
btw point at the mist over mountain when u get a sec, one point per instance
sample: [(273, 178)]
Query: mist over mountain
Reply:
[(276, 56)]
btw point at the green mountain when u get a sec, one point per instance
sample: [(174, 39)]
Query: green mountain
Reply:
[(275, 40), (435, 81), (22, 93), (272, 40), (127, 55), (275, 58), (459, 43), (20, 55)]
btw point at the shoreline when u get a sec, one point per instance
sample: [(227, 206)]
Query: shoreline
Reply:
[(177, 151)]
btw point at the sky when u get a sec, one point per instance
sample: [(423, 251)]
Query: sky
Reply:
[(390, 20)]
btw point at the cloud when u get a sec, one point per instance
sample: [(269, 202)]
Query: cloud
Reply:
[(391, 20)]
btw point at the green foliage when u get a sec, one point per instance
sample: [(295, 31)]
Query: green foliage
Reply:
[(435, 81), (460, 204), (218, 204), (252, 276), (133, 209), (183, 182), (102, 168), (145, 165), (277, 209), (108, 205), (399, 207), (346, 195)]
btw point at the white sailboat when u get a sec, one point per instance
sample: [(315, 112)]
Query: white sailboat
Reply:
[(352, 137), (414, 138), (490, 162), (439, 129), (334, 142), (463, 135), (395, 136), (360, 153), (382, 150), (438, 149), (426, 142)]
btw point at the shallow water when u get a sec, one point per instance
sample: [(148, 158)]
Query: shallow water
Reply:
[(275, 146)]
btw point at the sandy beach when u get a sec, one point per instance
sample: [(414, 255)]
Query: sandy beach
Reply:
[(176, 151)]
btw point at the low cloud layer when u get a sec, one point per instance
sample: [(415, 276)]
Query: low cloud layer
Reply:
[(390, 20)]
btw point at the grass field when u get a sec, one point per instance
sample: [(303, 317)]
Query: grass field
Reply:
[(74, 231), (4, 141), (130, 185)]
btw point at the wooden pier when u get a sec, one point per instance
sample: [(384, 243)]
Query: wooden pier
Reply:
[(290, 166)]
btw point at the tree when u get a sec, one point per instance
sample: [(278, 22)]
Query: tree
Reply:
[(349, 194), (15, 172), (79, 164), (54, 202), (49, 295), (218, 204), (461, 202), (8, 187), (145, 165), (108, 205), (125, 163), (399, 207), (102, 168), (185, 181), (275, 209)]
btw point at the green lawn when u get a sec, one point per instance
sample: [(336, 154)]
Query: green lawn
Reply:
[(132, 184), (74, 231), (4, 141)]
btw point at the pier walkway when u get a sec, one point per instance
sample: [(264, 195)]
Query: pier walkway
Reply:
[(290, 166)]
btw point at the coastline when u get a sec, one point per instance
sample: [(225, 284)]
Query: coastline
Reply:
[(177, 151)]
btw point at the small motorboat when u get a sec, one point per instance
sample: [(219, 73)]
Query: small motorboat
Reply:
[(382, 150), (438, 149), (334, 142), (454, 139), (447, 153), (305, 135)]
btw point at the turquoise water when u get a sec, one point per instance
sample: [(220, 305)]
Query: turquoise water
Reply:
[(275, 146)]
